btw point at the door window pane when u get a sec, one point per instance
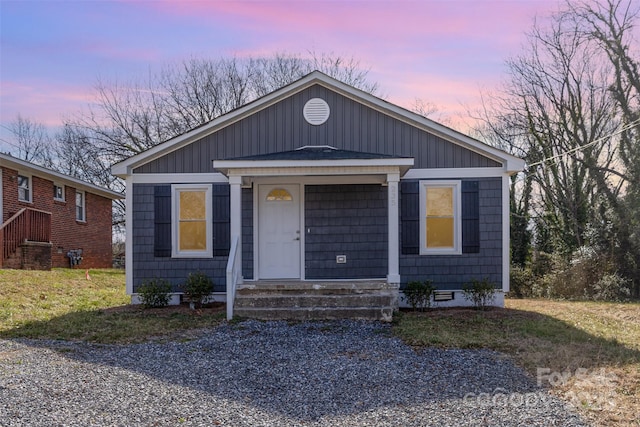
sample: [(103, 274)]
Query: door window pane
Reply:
[(279, 194)]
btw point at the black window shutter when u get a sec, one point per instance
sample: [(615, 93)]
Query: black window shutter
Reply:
[(221, 220), (162, 221), (410, 217), (470, 217)]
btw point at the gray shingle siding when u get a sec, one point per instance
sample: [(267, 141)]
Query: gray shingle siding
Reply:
[(450, 272), (346, 220), (146, 266), (351, 126), (247, 233)]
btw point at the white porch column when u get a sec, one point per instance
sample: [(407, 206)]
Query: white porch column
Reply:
[(393, 277), (236, 213)]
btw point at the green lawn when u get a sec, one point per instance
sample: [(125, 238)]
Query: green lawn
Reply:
[(580, 340), (587, 352), (63, 304)]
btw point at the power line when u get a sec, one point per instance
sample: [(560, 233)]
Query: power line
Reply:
[(8, 128), (581, 147), (9, 143)]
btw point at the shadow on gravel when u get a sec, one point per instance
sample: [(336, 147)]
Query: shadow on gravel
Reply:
[(319, 370)]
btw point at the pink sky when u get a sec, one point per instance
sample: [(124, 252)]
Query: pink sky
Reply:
[(444, 52)]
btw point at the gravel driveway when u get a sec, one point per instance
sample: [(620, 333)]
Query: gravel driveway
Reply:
[(253, 373)]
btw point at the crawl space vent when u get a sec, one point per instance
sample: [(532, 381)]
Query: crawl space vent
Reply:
[(316, 111), (443, 296)]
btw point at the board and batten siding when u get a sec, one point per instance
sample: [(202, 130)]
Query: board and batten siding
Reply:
[(149, 263), (451, 272), (351, 126), (349, 220)]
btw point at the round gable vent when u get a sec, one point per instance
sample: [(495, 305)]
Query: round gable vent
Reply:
[(316, 111)]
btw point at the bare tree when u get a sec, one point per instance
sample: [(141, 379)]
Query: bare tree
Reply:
[(570, 108), (424, 108), (76, 156), (556, 110), (31, 142), (130, 118), (609, 24)]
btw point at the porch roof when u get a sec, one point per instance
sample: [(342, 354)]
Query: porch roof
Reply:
[(315, 160)]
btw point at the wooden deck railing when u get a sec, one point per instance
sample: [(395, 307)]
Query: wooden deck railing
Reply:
[(25, 225)]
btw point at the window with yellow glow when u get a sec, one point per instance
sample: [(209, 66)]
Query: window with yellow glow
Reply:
[(279, 194), (440, 220), (192, 221)]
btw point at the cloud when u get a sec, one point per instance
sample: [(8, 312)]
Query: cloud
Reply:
[(436, 50), (43, 102)]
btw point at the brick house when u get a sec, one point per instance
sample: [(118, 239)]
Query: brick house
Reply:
[(46, 214)]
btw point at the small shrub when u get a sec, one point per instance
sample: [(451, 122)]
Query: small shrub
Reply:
[(154, 293), (418, 294), (480, 292), (197, 288)]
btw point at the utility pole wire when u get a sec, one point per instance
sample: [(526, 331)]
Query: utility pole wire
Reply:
[(580, 147)]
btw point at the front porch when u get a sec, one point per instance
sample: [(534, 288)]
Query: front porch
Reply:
[(324, 234), (316, 299)]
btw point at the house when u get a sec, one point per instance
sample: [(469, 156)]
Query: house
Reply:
[(319, 200), (52, 220)]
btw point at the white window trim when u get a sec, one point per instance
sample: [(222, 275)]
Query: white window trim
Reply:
[(457, 215), (175, 200), (84, 206), (64, 195), (30, 181)]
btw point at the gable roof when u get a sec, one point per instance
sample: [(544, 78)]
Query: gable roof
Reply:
[(39, 171), (511, 163)]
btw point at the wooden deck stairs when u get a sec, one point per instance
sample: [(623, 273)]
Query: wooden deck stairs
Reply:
[(25, 240)]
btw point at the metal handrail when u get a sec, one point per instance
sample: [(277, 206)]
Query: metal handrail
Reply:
[(233, 274)]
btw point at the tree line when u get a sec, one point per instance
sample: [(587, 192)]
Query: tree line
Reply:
[(570, 106), (571, 109)]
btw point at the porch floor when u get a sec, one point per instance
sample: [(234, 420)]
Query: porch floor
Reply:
[(316, 300)]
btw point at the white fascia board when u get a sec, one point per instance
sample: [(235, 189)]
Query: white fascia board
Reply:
[(515, 165), (453, 173), (57, 177), (128, 243), (176, 178), (506, 235), (280, 164)]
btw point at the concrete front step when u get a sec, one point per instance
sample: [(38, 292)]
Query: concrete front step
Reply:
[(384, 314), (315, 300), (317, 287)]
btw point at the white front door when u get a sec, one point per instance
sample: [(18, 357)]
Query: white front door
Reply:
[(279, 231)]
